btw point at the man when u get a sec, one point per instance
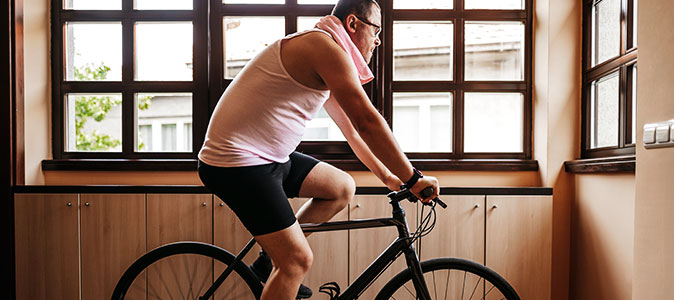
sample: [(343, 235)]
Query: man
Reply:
[(248, 156)]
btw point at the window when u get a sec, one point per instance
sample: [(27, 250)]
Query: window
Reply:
[(129, 78), (609, 78), (461, 77), (139, 78)]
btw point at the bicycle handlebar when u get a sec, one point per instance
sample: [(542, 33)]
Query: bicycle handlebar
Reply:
[(406, 194)]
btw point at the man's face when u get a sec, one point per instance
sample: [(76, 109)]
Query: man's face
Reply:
[(365, 31)]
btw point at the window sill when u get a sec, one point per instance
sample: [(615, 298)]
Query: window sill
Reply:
[(344, 164), (602, 165)]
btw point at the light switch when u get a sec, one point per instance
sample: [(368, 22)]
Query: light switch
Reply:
[(649, 134), (662, 133)]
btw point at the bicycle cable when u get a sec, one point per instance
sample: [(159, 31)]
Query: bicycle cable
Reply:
[(427, 223)]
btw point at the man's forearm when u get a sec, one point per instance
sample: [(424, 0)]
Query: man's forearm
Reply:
[(383, 145)]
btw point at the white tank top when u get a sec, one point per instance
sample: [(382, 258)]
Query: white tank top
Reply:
[(261, 116)]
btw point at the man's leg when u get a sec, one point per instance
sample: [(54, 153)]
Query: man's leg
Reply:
[(292, 258), (331, 190)]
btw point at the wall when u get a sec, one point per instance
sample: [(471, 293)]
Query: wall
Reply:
[(37, 88), (654, 207), (602, 237), (557, 74)]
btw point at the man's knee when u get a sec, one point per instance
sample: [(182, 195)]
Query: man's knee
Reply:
[(296, 263), (347, 189)]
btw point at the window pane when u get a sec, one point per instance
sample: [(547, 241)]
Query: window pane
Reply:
[(168, 137), (169, 116), (94, 122), (494, 51), (423, 4), (494, 4), (253, 1), (164, 51), (493, 122), (635, 22), (244, 37), (423, 50), (605, 30), (422, 122), (329, 2), (306, 23), (322, 128), (634, 104), (163, 4), (93, 51), (93, 4), (604, 113)]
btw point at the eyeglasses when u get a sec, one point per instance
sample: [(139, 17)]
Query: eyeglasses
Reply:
[(376, 33)]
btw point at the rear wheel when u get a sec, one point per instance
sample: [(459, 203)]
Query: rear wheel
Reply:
[(451, 278), (185, 270)]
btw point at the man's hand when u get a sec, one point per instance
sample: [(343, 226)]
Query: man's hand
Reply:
[(424, 182), (393, 182)]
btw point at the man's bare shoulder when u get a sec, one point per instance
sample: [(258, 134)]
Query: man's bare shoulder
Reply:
[(315, 44)]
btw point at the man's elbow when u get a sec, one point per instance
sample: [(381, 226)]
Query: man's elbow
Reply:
[(368, 124)]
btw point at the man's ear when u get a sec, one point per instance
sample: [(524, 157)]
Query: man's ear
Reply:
[(350, 23)]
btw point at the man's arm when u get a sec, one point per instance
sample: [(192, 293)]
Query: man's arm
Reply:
[(336, 70), (359, 146)]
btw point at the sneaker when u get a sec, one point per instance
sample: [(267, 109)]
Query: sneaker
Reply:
[(262, 268)]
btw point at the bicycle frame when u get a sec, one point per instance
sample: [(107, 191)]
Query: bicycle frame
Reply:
[(402, 245)]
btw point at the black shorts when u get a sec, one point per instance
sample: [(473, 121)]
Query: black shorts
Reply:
[(258, 195)]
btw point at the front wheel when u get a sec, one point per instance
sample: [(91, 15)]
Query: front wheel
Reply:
[(185, 270), (451, 278)]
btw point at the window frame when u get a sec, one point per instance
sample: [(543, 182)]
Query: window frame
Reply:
[(128, 86), (458, 86), (623, 63), (209, 81)]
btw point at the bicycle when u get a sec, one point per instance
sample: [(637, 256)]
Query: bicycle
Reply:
[(470, 281)]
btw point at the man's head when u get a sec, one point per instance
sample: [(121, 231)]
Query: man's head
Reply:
[(362, 21)]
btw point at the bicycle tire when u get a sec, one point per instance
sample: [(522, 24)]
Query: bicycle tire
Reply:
[(482, 282), (179, 256)]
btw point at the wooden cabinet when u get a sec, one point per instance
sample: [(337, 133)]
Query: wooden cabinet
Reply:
[(459, 230), (173, 218), (46, 240), (112, 237), (71, 246), (519, 242), (330, 249), (230, 234), (365, 245)]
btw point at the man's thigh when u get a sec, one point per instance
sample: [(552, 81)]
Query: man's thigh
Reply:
[(326, 182)]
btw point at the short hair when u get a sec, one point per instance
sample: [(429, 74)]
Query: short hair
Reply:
[(357, 7)]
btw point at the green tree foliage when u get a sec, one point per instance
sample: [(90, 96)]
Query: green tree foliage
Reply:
[(96, 108)]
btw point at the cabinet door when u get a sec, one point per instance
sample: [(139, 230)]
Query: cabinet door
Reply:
[(173, 218), (519, 242), (47, 265), (365, 245), (113, 237), (459, 230), (231, 235), (330, 254)]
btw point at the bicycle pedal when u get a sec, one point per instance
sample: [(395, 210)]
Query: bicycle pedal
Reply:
[(331, 289)]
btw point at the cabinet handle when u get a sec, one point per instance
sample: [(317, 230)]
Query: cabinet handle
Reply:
[(203, 204), (222, 204), (477, 205), (69, 204), (86, 203), (357, 204), (494, 206)]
